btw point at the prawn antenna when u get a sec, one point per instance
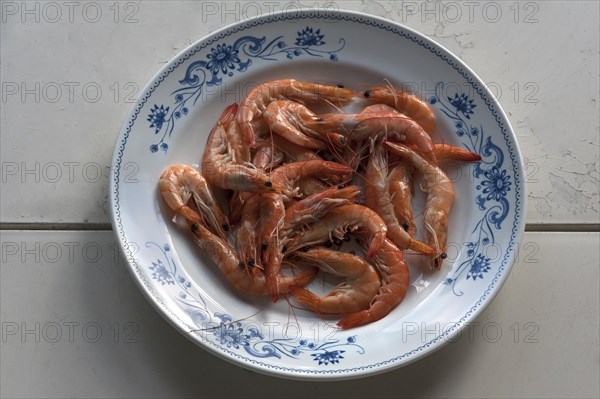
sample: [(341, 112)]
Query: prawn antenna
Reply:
[(211, 328), (393, 91)]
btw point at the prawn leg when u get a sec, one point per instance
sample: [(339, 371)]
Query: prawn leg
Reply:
[(400, 181), (378, 198), (221, 254)]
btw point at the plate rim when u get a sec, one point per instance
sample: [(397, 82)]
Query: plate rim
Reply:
[(343, 15)]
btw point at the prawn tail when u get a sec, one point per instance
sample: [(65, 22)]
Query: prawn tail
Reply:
[(469, 156), (464, 156), (229, 114), (381, 306), (248, 133), (190, 215), (273, 286), (305, 297), (355, 319), (446, 151), (420, 247)]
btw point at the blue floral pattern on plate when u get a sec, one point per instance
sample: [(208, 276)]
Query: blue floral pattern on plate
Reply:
[(494, 184), (225, 60), (231, 334)]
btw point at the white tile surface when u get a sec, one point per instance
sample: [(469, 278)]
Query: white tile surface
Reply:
[(58, 132), (538, 338)]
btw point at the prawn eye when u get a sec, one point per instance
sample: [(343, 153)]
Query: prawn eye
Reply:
[(304, 249), (405, 226), (443, 255), (194, 228), (264, 246), (368, 93), (225, 227), (251, 262), (241, 265), (268, 184)]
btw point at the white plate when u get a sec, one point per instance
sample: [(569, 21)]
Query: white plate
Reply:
[(171, 120)]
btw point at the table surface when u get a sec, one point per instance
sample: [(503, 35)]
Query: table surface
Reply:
[(70, 73)]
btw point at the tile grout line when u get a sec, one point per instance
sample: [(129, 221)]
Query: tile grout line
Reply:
[(56, 226), (564, 227), (534, 227)]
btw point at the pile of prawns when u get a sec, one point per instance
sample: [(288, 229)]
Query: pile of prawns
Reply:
[(288, 205)]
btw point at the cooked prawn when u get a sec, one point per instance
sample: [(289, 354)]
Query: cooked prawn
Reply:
[(255, 103), (395, 280), (317, 205), (287, 119), (223, 256), (406, 103), (365, 125), (347, 122), (274, 211), (440, 197), (296, 153), (219, 167), (287, 176), (178, 184), (355, 293), (348, 218), (396, 128), (378, 198)]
